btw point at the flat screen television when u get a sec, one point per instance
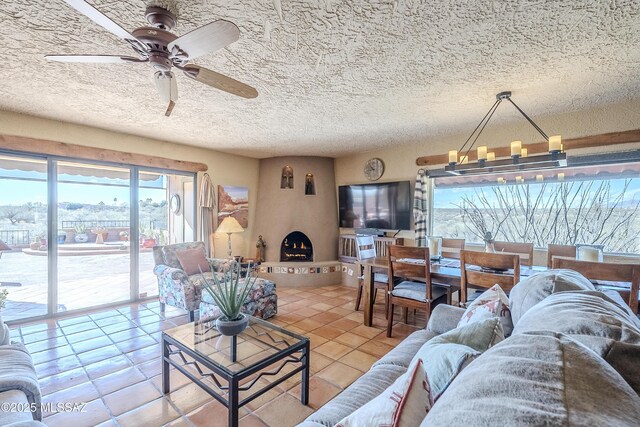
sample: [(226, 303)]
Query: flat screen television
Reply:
[(384, 206)]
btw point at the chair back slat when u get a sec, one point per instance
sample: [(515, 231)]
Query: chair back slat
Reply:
[(451, 248), (409, 270), (365, 247), (568, 251), (607, 271), (472, 275), (524, 250)]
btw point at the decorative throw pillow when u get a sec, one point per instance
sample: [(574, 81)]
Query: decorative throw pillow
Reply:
[(447, 354), (192, 261), (491, 303), (404, 403)]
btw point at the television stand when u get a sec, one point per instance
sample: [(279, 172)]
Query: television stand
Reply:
[(370, 231)]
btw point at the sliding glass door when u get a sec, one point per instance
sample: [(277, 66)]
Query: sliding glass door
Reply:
[(23, 237), (166, 216), (94, 213), (77, 234)]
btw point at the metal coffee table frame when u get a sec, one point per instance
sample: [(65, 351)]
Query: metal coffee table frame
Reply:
[(171, 347)]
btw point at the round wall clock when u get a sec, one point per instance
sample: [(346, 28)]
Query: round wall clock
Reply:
[(373, 169), (175, 204)]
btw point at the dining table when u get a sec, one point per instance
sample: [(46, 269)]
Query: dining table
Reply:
[(444, 270)]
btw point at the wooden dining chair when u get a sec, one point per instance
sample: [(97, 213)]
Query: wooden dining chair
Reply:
[(483, 270), (608, 272), (524, 250), (451, 248), (410, 282), (365, 249), (567, 251)]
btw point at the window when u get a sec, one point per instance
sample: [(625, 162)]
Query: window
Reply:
[(591, 205)]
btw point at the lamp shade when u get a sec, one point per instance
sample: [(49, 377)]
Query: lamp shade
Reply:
[(4, 246), (230, 225)]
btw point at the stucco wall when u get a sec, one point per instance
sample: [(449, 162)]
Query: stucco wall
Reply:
[(400, 161), (227, 169), (281, 211)]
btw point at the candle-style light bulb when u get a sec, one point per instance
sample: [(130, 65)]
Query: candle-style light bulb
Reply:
[(516, 148), (539, 178), (482, 152), (524, 152), (453, 157), (491, 156), (555, 144)]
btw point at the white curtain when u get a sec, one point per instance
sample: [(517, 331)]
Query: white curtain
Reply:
[(421, 208), (207, 202)]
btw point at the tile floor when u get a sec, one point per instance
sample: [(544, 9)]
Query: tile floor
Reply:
[(110, 360)]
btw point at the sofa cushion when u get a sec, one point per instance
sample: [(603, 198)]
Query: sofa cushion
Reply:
[(17, 373), (491, 303), (193, 261), (17, 398), (537, 379), (402, 354), (444, 318), (533, 289), (365, 388), (403, 404), (594, 320), (446, 355), (169, 252)]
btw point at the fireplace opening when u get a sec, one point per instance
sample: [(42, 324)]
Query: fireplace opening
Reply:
[(296, 247)]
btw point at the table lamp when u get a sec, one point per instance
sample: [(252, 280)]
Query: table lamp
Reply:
[(229, 225)]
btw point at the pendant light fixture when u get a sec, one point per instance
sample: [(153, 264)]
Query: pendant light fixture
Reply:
[(520, 158)]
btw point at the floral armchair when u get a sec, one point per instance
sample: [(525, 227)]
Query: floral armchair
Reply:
[(177, 289), (174, 286)]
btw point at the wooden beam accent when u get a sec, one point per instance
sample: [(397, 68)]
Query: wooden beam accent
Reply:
[(601, 140), (63, 149)]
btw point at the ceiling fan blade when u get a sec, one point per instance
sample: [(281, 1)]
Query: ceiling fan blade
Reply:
[(219, 81), (167, 86), (101, 19), (206, 39), (113, 59)]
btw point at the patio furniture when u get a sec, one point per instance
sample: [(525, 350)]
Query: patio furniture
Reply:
[(451, 248), (229, 367), (567, 251), (406, 265), (608, 272), (366, 249), (483, 270), (524, 250)]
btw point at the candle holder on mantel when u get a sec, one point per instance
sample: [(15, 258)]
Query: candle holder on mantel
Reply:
[(435, 247), (591, 253)]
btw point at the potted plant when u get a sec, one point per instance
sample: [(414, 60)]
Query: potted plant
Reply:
[(489, 242), (124, 235), (99, 231), (81, 233), (230, 290), (35, 244)]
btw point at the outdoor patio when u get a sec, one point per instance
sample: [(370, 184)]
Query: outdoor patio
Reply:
[(83, 281)]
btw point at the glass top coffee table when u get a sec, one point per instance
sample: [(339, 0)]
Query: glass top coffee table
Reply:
[(252, 362)]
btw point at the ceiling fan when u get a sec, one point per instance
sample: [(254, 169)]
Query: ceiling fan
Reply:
[(156, 45)]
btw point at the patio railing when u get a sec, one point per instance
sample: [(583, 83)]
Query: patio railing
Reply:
[(15, 237), (96, 223)]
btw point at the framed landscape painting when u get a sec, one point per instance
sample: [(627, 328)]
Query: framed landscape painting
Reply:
[(233, 201)]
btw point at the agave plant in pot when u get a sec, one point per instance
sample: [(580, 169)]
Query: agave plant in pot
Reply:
[(230, 290)]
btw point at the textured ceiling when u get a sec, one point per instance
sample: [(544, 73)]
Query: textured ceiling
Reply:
[(334, 76)]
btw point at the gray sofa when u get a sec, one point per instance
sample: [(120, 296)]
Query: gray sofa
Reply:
[(572, 360), (18, 385)]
